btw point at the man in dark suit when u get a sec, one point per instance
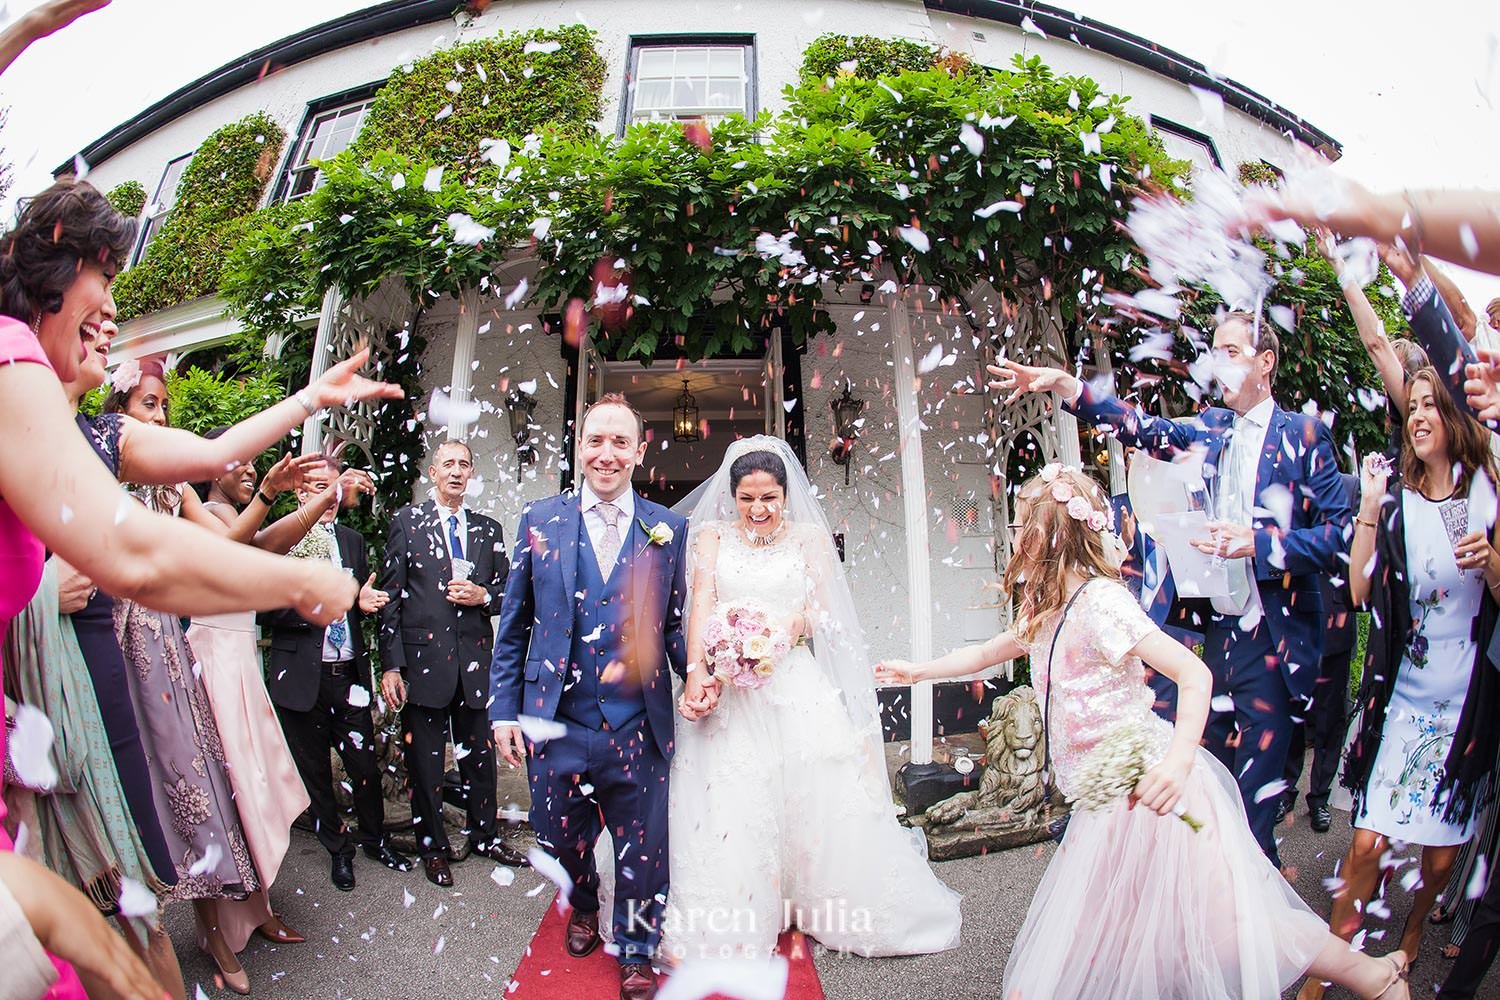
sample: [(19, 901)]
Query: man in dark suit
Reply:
[(444, 574), (1327, 716), (1280, 518), (318, 683), (592, 622)]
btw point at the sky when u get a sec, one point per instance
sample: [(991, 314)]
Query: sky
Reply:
[(1412, 93)]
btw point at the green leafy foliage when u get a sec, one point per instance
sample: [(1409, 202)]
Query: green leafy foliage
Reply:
[(443, 106), (128, 198), (864, 56), (221, 186), (202, 400)]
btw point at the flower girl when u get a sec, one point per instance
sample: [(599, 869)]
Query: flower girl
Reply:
[(1173, 899)]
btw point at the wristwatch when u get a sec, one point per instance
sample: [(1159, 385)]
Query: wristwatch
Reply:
[(268, 501)]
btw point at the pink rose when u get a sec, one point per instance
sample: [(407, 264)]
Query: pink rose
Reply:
[(1097, 521), (1079, 508), (1050, 471), (1062, 491)]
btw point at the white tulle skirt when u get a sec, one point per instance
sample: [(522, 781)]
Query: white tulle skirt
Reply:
[(1139, 906)]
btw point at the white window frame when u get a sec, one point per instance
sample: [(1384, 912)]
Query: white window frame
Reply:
[(688, 49), (302, 162), (154, 215)]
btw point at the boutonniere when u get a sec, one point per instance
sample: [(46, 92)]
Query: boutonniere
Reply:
[(659, 533)]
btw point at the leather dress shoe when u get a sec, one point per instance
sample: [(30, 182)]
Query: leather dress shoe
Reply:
[(343, 872), (582, 933), (637, 981), (394, 860), (1322, 819), (438, 872), (497, 851), (1283, 809)]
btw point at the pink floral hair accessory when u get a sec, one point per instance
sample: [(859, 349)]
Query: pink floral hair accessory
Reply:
[(126, 377), (1078, 506)]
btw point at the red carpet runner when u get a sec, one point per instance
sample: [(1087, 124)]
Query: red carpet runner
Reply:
[(548, 972)]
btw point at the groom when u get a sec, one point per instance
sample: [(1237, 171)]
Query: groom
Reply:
[(592, 619)]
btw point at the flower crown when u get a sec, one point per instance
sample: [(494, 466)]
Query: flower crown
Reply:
[(1078, 506)]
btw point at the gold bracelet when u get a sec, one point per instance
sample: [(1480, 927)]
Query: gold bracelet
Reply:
[(1360, 520)]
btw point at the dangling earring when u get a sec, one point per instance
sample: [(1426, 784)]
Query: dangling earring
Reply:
[(36, 324)]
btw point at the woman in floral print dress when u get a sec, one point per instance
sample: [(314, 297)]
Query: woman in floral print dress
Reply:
[(1422, 560)]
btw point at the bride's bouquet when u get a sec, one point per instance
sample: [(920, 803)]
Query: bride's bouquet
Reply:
[(743, 646), (1111, 770)]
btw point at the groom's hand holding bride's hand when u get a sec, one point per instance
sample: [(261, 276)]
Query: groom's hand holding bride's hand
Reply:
[(700, 694)]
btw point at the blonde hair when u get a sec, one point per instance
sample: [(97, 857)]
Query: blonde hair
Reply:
[(1050, 543)]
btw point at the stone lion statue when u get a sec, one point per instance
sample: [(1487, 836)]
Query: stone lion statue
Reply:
[(1012, 791)]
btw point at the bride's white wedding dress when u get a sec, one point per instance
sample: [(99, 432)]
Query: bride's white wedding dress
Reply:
[(779, 816)]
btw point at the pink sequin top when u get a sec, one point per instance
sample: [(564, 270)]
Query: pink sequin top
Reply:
[(1098, 684)]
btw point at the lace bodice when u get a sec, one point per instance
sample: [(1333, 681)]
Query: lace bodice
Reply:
[(1096, 683), (774, 577)]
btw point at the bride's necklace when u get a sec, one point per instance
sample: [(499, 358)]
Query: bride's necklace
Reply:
[(761, 541)]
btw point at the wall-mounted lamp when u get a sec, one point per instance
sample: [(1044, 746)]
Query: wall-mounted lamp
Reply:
[(846, 412), (518, 405), (685, 416)]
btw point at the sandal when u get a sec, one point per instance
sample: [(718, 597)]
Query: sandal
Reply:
[(1397, 988)]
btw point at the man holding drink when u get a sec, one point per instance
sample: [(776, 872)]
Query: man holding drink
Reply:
[(445, 569)]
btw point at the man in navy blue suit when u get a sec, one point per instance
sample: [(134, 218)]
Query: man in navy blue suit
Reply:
[(590, 624), (1281, 517)]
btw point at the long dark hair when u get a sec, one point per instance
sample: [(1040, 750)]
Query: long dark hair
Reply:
[(1468, 442), (66, 226)]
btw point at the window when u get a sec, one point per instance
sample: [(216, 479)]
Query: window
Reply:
[(327, 134), (161, 202), (1184, 143), (678, 82)]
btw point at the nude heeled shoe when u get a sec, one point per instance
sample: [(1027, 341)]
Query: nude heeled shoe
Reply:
[(1398, 988)]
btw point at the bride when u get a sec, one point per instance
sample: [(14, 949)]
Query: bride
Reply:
[(780, 809)]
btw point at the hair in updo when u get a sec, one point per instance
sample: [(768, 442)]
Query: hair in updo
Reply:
[(757, 461), (58, 231)]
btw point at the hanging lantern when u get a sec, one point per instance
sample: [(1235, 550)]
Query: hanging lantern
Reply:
[(685, 416)]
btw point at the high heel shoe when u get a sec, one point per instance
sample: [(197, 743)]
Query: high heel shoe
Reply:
[(239, 979), (1397, 988), (278, 932)]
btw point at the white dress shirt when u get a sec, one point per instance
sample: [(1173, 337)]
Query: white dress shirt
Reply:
[(332, 653), (443, 513), (588, 505), (1244, 449)]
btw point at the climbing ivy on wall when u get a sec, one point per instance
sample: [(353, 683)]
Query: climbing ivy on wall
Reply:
[(443, 108), (128, 198), (219, 189)]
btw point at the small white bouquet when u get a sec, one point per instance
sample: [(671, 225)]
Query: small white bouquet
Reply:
[(1111, 770)]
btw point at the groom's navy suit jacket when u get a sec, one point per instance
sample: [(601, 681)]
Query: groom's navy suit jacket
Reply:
[(1289, 560), (545, 604)]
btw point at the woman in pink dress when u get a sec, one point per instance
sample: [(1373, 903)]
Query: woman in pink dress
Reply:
[(56, 265), (1137, 902)]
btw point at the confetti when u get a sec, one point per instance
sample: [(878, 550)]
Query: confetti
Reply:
[(30, 748)]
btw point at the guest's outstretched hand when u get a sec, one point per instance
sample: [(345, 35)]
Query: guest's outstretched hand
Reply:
[(343, 385), (1482, 387), (1018, 379), (897, 672), (327, 592)]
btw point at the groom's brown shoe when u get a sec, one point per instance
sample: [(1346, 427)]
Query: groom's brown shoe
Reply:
[(637, 981), (582, 933)]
